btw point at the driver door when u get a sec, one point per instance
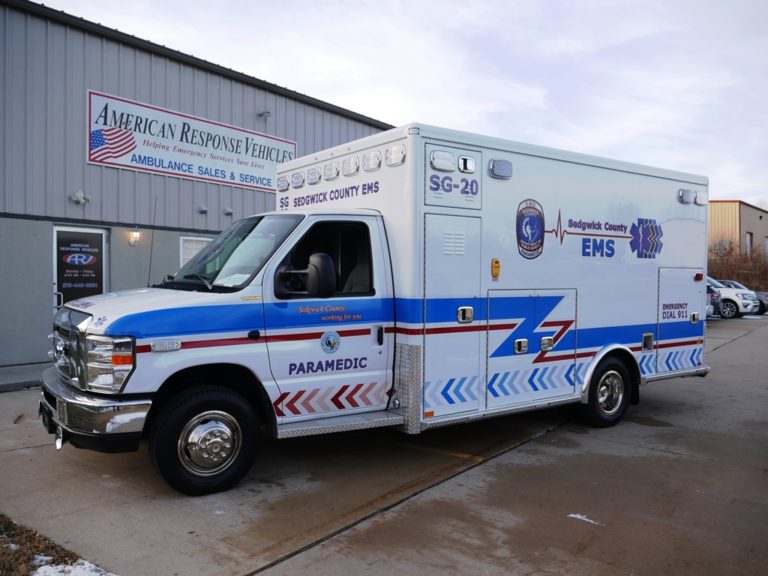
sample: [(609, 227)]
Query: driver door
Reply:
[(330, 356)]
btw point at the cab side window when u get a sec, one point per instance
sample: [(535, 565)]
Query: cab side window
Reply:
[(348, 245)]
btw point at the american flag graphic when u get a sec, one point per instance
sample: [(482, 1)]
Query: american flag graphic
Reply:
[(110, 143)]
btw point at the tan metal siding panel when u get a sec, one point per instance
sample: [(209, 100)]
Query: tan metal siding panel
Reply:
[(723, 222)]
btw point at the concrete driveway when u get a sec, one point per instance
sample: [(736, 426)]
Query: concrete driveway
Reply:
[(678, 488)]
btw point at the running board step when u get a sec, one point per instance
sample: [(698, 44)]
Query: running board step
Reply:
[(340, 424)]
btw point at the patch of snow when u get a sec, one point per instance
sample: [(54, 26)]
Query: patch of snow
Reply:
[(585, 518), (40, 560), (79, 568)]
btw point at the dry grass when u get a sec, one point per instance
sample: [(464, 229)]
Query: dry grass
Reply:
[(726, 264), (19, 546)]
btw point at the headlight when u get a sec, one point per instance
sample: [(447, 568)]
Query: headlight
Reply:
[(744, 296), (108, 363)]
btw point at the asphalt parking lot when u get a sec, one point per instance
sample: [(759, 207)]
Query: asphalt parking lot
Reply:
[(678, 488)]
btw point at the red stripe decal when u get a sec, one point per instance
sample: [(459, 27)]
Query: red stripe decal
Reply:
[(406, 331), (511, 326), (278, 409), (191, 344), (449, 329), (351, 396), (214, 343), (315, 335), (337, 397), (292, 404), (564, 325), (675, 344)]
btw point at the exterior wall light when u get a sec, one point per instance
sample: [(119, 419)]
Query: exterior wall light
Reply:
[(134, 236)]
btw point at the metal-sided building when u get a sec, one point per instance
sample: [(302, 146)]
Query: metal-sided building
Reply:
[(119, 158), (738, 225)]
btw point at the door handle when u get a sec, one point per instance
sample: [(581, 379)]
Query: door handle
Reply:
[(380, 335), (465, 314), (59, 299)]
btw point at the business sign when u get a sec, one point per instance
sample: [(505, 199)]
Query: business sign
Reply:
[(127, 134), (79, 257)]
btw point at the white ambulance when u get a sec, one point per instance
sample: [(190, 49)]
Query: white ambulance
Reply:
[(415, 278)]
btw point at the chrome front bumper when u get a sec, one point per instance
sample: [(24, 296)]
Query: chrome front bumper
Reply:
[(88, 421)]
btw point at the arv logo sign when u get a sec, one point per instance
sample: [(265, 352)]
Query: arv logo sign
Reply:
[(78, 259)]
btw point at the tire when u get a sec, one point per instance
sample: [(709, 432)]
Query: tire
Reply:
[(204, 440), (610, 391), (729, 309), (761, 309)]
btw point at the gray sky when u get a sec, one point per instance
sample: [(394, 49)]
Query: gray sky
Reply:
[(679, 84)]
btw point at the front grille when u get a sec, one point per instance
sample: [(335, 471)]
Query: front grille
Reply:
[(68, 345)]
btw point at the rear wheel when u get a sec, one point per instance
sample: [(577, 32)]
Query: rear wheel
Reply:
[(729, 309), (610, 390), (204, 441)]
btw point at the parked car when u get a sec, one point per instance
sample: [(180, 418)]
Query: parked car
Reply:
[(713, 301), (735, 301), (762, 297)]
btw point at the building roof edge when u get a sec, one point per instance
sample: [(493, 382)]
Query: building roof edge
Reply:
[(86, 25)]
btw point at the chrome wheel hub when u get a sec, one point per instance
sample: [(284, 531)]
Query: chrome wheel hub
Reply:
[(209, 443), (610, 392)]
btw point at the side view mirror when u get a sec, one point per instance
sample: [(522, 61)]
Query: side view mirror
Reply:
[(318, 280)]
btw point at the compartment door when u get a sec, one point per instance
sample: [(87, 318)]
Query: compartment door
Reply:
[(531, 346), (454, 316), (681, 313)]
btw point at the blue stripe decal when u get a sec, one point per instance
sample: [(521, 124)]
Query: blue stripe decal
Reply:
[(444, 309), (315, 313), (684, 329), (189, 320), (294, 314), (523, 306), (409, 310)]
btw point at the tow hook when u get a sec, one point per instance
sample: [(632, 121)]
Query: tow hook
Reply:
[(60, 437)]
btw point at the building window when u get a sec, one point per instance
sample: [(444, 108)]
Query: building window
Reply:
[(748, 245), (189, 246)]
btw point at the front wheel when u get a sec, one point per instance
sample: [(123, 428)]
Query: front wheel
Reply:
[(204, 440), (609, 394)]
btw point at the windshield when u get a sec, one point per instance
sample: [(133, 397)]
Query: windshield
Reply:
[(738, 285), (715, 283), (235, 255)]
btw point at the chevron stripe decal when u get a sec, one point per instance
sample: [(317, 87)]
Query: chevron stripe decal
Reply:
[(647, 364), (334, 399), (522, 382), (681, 359), (452, 392)]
